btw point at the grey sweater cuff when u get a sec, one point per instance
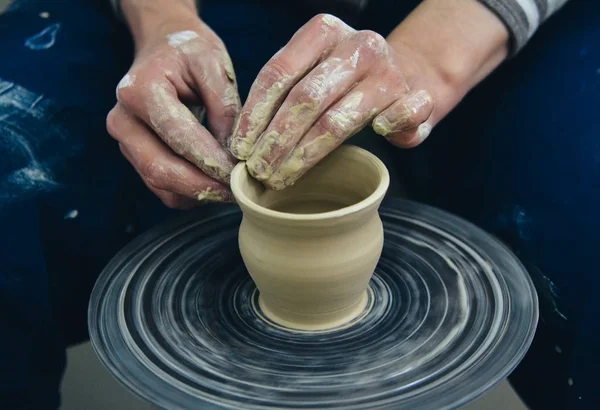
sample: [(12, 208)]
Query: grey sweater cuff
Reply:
[(523, 17)]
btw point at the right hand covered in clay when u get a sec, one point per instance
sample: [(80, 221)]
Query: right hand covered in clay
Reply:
[(330, 81), (181, 67)]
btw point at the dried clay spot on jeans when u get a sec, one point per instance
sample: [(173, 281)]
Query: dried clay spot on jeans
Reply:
[(44, 39), (33, 145)]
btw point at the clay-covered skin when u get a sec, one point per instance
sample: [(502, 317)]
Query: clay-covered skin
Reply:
[(181, 72), (325, 85), (312, 248)]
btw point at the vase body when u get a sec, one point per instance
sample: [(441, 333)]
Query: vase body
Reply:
[(312, 248)]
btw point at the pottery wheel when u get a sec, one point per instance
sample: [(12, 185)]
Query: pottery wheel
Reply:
[(175, 318)]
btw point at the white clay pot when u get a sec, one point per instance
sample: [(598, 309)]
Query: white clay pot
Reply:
[(312, 248)]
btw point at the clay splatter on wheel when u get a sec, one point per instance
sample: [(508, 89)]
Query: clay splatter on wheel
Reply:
[(174, 317)]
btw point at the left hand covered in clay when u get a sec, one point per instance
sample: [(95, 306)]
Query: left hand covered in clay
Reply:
[(325, 85)]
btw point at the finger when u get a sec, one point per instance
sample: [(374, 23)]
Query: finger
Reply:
[(345, 118), (169, 199), (310, 45), (328, 82), (156, 103), (157, 165), (176, 178), (212, 72), (405, 123), (175, 201), (169, 69)]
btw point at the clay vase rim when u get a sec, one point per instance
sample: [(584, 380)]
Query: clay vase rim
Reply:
[(376, 196)]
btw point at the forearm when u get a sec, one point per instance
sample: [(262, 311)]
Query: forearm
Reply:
[(462, 42), (145, 17), (455, 45)]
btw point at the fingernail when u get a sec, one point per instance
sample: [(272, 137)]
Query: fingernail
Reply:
[(417, 101), (276, 184), (423, 131), (417, 108), (382, 126), (258, 168), (410, 111), (240, 148), (211, 195)]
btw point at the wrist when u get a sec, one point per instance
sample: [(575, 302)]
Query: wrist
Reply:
[(151, 18), (456, 44)]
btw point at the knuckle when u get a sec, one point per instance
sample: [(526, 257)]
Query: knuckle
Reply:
[(230, 105), (311, 88), (372, 41), (326, 19), (275, 70), (126, 95), (371, 37), (333, 122), (215, 41), (341, 123), (113, 123), (395, 83), (330, 24), (154, 173), (231, 110)]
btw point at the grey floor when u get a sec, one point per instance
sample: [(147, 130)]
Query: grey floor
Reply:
[(88, 385)]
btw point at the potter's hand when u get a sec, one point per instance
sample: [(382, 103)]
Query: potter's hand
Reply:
[(330, 81), (326, 84), (180, 65)]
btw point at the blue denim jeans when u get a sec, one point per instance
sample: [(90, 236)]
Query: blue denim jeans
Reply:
[(520, 156)]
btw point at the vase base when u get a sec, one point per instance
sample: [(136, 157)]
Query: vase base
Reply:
[(331, 321)]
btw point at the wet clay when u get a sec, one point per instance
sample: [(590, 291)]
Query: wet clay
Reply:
[(312, 248)]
